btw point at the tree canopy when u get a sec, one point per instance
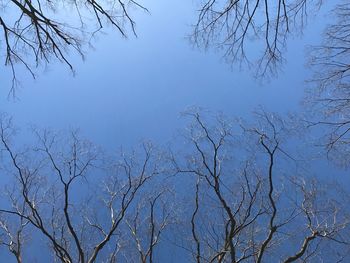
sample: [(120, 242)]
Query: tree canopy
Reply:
[(229, 197)]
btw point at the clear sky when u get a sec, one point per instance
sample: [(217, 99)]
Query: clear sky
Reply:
[(130, 89)]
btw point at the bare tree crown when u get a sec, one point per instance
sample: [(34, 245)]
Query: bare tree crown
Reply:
[(38, 32)]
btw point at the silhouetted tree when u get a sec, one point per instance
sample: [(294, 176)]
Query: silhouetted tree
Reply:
[(56, 197), (252, 32), (248, 202), (247, 207), (329, 90), (36, 32), (256, 33)]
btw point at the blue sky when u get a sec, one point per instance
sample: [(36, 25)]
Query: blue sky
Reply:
[(130, 89), (127, 90)]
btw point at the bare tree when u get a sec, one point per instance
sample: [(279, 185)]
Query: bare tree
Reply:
[(13, 236), (235, 26), (36, 32), (231, 25), (249, 201), (148, 222), (55, 198), (329, 90), (248, 209)]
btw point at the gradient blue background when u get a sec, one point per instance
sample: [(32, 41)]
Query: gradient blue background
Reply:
[(129, 89)]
